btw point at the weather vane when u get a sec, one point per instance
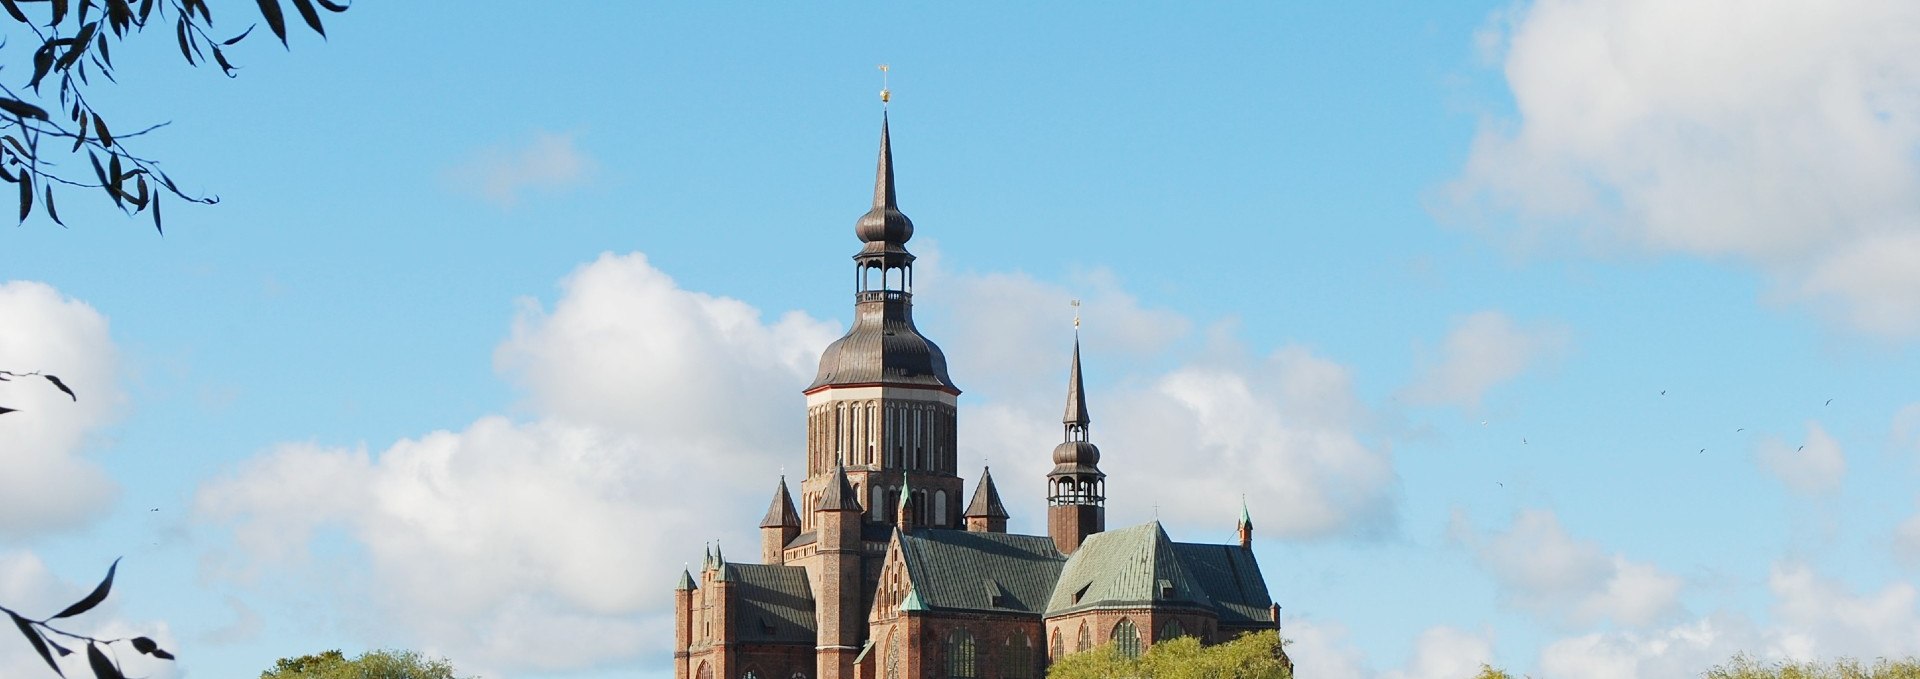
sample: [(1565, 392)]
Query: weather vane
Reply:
[(1076, 314), (886, 95)]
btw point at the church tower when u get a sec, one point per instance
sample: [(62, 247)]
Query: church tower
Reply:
[(882, 405), (1076, 488)]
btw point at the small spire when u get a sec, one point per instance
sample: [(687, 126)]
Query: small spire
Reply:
[(1246, 518), (782, 514), (1076, 388), (912, 602), (706, 562), (883, 192), (686, 582), (839, 495), (986, 499), (717, 556)]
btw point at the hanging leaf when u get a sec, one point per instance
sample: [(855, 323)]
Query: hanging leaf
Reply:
[(14, 10), (80, 138), (100, 130), (98, 595), (180, 31), (334, 7), (145, 645), (22, 109), (242, 36), (33, 635), (270, 9), (4, 410), (47, 193), (26, 196), (311, 15), (156, 215), (62, 386), (102, 666)]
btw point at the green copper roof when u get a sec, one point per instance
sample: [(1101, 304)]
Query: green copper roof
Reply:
[(997, 572), (1126, 568), (686, 582), (912, 602)]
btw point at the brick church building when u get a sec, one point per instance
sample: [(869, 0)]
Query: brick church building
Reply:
[(874, 569)]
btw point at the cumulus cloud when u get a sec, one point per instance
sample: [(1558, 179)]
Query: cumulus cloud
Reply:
[(1542, 569), (1812, 618), (1780, 135), (548, 545), (28, 586), (48, 485), (1484, 350), (1322, 649), (1814, 468), (502, 174)]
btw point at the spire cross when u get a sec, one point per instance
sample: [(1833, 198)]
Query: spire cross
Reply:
[(886, 95), (1076, 314)]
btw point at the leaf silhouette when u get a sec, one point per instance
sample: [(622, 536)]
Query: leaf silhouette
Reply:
[(270, 9), (102, 667), (145, 645), (98, 595), (62, 386), (38, 643)]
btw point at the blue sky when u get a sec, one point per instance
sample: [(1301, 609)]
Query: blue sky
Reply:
[(1516, 323)]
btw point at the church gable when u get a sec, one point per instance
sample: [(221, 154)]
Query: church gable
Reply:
[(1231, 579), (1135, 567), (771, 604)]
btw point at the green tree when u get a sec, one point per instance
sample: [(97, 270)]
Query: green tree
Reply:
[(1250, 656), (385, 664), (1491, 672), (1744, 667), (46, 116)]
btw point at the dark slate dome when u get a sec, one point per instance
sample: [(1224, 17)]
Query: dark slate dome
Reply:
[(883, 347), (1075, 456)]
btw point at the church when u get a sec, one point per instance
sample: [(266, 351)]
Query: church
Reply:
[(874, 570)]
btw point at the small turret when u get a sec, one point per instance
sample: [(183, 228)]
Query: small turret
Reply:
[(1076, 488), (985, 513), (1245, 527), (781, 526)]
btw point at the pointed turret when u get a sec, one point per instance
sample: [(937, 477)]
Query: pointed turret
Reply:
[(840, 495), (985, 513), (1076, 488), (686, 582), (1076, 388), (781, 526), (1245, 527)]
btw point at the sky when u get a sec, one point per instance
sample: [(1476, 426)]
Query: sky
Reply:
[(1572, 336)]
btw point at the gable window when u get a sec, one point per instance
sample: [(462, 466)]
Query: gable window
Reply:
[(961, 660), (1126, 639)]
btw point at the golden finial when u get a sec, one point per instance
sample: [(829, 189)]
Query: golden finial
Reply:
[(1076, 314), (886, 95)]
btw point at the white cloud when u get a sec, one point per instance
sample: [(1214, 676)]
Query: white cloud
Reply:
[(1812, 619), (1543, 570), (1814, 468), (29, 587), (1445, 653), (502, 174), (1322, 650), (1781, 135), (1485, 350), (550, 544), (1906, 429), (48, 486)]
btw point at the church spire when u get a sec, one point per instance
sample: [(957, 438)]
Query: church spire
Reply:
[(986, 514), (1076, 417)]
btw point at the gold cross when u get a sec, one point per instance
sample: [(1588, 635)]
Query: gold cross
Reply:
[(1076, 314), (885, 94)]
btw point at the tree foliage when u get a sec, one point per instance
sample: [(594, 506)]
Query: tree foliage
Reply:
[(385, 664), (47, 118), (1744, 667), (1251, 656), (1491, 672)]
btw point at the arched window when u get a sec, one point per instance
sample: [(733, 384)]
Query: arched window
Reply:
[(893, 655), (706, 671), (750, 675), (1059, 647), (879, 503), (1086, 639), (1017, 661), (940, 508), (1172, 630), (1126, 638), (961, 660)]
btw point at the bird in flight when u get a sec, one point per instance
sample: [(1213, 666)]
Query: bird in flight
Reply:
[(1663, 392), (1703, 450), (1736, 431), (1801, 448), (1829, 402)]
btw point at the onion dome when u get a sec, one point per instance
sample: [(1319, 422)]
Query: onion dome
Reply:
[(884, 224), (1076, 454)]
